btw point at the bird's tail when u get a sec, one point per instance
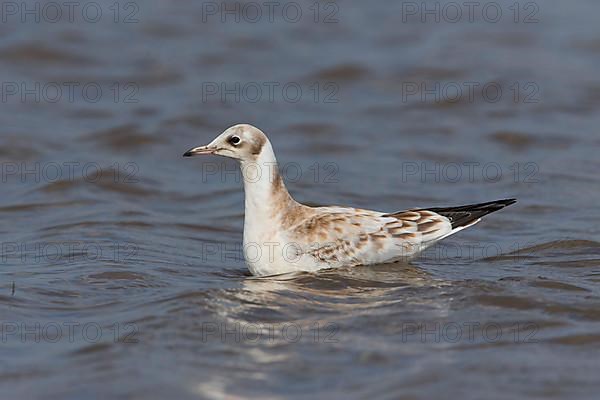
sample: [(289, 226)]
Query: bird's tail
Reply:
[(464, 216)]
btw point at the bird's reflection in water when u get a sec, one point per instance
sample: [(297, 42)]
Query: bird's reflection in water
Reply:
[(328, 293), (275, 320), (345, 281)]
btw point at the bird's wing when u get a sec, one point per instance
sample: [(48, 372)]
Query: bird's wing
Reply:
[(349, 236)]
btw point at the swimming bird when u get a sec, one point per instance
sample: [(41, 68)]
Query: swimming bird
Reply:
[(282, 235)]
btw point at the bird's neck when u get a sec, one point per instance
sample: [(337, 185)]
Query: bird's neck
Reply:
[(266, 197)]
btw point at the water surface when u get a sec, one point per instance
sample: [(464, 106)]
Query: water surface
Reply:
[(122, 273)]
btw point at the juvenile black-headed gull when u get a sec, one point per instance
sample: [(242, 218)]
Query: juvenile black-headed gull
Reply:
[(282, 235)]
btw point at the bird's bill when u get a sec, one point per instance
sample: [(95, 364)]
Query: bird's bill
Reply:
[(196, 151)]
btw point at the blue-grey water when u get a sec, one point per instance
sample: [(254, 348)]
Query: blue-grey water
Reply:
[(121, 266)]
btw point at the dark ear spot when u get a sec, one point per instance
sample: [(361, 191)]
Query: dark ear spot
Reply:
[(257, 145)]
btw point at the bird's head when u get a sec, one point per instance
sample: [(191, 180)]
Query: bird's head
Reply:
[(241, 142)]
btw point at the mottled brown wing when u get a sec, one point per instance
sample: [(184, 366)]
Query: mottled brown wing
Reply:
[(348, 236)]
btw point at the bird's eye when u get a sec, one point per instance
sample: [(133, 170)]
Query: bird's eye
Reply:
[(234, 140)]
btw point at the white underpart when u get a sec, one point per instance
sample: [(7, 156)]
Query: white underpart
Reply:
[(263, 238)]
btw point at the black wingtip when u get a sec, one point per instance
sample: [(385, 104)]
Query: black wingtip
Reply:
[(464, 215), (494, 205), (188, 153), (507, 202)]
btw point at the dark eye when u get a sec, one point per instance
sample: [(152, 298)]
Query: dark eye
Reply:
[(234, 140)]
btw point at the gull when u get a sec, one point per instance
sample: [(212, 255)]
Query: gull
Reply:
[(282, 235)]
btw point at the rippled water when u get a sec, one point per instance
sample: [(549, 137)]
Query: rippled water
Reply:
[(122, 273)]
